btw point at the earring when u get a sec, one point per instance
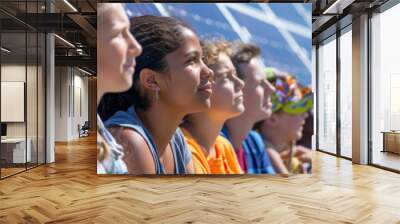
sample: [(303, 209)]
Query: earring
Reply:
[(157, 94)]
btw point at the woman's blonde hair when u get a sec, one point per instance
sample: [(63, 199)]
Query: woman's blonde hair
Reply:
[(212, 49)]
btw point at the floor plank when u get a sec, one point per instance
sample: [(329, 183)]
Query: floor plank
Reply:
[(69, 191)]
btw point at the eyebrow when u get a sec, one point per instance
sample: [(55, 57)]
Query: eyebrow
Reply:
[(195, 53), (119, 24), (226, 70)]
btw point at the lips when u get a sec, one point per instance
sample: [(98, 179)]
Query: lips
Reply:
[(268, 103), (239, 98), (207, 87), (130, 65)]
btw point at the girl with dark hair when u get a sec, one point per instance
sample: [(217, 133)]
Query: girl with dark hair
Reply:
[(170, 81)]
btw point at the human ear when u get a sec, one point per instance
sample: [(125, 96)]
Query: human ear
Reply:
[(272, 121), (149, 80)]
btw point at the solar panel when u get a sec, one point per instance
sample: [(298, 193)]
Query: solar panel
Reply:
[(281, 30)]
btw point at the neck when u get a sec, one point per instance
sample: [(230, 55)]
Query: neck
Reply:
[(161, 122), (204, 128), (100, 94), (238, 128), (277, 143)]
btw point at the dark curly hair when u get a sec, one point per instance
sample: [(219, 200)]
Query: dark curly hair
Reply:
[(158, 36)]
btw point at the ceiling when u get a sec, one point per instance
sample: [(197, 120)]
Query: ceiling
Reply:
[(72, 20), (328, 15)]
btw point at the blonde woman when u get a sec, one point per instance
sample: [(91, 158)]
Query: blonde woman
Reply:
[(116, 53)]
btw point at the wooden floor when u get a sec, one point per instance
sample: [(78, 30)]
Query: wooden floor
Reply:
[(387, 159), (10, 171), (69, 191)]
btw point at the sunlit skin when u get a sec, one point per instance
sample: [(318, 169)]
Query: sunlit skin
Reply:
[(116, 51), (226, 102), (281, 129), (184, 88), (257, 93)]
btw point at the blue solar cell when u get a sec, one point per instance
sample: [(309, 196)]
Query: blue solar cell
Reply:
[(204, 18), (289, 12), (209, 22), (275, 49), (141, 9)]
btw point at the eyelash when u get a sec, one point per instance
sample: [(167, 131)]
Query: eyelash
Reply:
[(223, 77), (192, 60)]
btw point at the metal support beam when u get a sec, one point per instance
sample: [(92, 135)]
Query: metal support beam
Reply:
[(360, 89)]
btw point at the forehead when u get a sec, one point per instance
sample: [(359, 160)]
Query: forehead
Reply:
[(112, 15), (253, 70), (223, 62), (190, 43)]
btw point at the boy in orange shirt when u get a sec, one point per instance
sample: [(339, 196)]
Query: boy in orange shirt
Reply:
[(212, 153)]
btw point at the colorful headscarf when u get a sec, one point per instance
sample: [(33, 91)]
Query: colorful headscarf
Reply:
[(290, 96)]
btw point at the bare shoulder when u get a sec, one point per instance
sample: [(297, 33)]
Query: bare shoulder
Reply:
[(137, 154), (128, 137)]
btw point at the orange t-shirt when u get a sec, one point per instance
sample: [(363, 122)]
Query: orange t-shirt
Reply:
[(221, 161)]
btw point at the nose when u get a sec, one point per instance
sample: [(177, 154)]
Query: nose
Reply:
[(239, 84), (134, 48), (206, 72), (305, 115), (268, 87)]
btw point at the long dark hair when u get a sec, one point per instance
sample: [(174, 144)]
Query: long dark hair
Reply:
[(158, 37)]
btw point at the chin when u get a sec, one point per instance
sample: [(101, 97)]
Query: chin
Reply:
[(235, 112), (202, 106), (121, 85), (268, 113), (127, 85), (240, 109)]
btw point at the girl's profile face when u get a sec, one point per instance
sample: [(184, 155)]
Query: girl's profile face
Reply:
[(116, 49), (187, 86), (227, 96)]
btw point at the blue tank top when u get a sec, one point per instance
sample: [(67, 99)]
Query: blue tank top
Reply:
[(181, 153), (257, 159)]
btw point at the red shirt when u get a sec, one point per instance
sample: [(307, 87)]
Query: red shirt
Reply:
[(242, 158)]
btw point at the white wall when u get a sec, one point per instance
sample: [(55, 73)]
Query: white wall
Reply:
[(69, 85), (33, 127), (12, 73), (61, 103)]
